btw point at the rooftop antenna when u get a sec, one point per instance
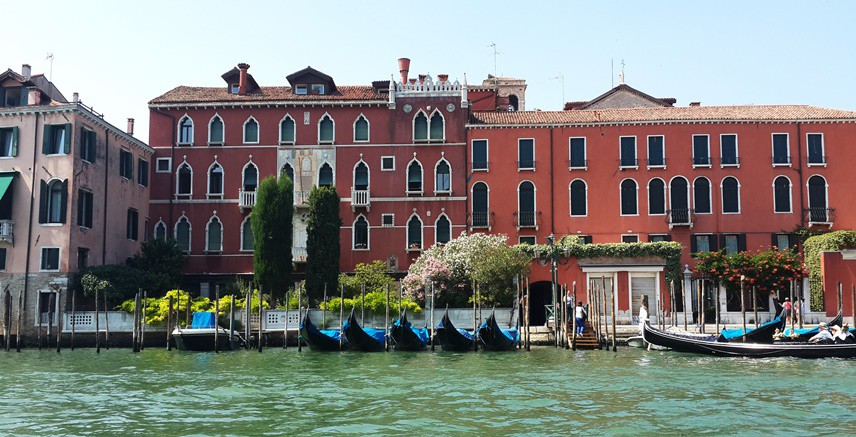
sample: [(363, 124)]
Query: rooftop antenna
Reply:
[(495, 53), (561, 77), (50, 57), (621, 74)]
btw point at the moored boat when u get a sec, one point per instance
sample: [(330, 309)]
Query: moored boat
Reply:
[(451, 338), (761, 334), (682, 343), (320, 339), (807, 333), (200, 335), (493, 338), (363, 339), (405, 337)]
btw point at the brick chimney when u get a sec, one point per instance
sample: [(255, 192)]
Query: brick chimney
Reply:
[(34, 96), (242, 81), (26, 71), (130, 130), (443, 77), (695, 103), (422, 78), (75, 97), (404, 69)]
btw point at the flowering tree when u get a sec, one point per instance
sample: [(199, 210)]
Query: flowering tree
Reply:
[(767, 271), (452, 268)]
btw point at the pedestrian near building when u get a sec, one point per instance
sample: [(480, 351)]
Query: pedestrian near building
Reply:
[(581, 316)]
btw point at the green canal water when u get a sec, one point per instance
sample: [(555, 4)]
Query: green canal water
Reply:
[(546, 391)]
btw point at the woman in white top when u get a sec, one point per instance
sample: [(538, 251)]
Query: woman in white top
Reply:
[(643, 315)]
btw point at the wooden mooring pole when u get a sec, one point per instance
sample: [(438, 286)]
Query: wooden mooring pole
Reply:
[(97, 326), (342, 316), (18, 322), (755, 304), (106, 325), (39, 315), (143, 320), (475, 318), (285, 325), (60, 316), (840, 298), (432, 317), (386, 320), (717, 308), (574, 317), (614, 306), (261, 316), (363, 305), (7, 318), (232, 322), (701, 304), (248, 308), (526, 306), (852, 303), (743, 305), (793, 313), (135, 339), (300, 317), (73, 318), (217, 318), (169, 323)]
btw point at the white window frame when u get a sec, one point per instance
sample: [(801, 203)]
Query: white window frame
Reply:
[(519, 168), (486, 152), (354, 234), (635, 153), (690, 188), (709, 196), (533, 237), (208, 248), (407, 177), (189, 232), (709, 236), (208, 193), (421, 237), (155, 229), (178, 141), (325, 116), (736, 150), (41, 258), (709, 158), (246, 222), (648, 152), (722, 196), (368, 129), (773, 149), (822, 150), (666, 196), (443, 159), (382, 220), (177, 181), (451, 234), (826, 190), (354, 174), (534, 202), (318, 173), (393, 163), (169, 165), (427, 129), (620, 198), (790, 195), (258, 175), (258, 131), (571, 199), (585, 155), (441, 140), (293, 129), (222, 140), (629, 235)]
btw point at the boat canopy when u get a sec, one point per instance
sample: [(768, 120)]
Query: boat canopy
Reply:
[(203, 320), (729, 334)]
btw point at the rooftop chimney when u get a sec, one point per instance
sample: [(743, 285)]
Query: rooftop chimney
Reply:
[(695, 103), (242, 81), (443, 77), (404, 68), (130, 130), (422, 78), (75, 97), (26, 71), (34, 96)]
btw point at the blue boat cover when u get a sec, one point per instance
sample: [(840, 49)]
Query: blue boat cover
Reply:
[(466, 333), (203, 320), (738, 332), (511, 333), (377, 334), (421, 333), (332, 333)]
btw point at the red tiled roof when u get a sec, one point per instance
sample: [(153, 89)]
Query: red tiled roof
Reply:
[(644, 115), (188, 94)]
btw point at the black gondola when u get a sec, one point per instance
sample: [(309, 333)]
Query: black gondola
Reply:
[(365, 340), (493, 338), (317, 339), (807, 333), (762, 334), (407, 338), (451, 338), (683, 343)]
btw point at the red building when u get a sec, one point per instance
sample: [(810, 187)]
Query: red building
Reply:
[(396, 153), (629, 167)]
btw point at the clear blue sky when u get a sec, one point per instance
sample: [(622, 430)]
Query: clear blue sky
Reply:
[(119, 55)]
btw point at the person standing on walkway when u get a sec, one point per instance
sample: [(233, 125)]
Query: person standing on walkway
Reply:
[(643, 315), (580, 316), (787, 306)]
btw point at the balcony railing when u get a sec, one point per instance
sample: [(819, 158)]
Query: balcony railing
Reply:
[(577, 163), (526, 165), (360, 199), (481, 219), (628, 163), (816, 159), (680, 217), (298, 254), (820, 216), (701, 161), (781, 160), (729, 160), (7, 229), (479, 165), (246, 199), (661, 162), (526, 219), (301, 197)]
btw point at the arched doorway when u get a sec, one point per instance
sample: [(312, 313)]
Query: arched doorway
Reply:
[(540, 294)]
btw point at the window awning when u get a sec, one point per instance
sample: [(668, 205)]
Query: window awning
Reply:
[(6, 181)]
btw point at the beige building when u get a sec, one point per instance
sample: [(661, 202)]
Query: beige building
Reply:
[(74, 190)]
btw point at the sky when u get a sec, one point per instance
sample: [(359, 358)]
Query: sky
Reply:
[(120, 55)]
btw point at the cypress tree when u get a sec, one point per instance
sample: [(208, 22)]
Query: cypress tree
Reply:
[(271, 221), (322, 242)]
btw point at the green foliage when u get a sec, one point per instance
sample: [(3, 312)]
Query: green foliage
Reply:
[(812, 248), (375, 304), (322, 242), (114, 282), (158, 307), (161, 261), (768, 271), (373, 275), (271, 222)]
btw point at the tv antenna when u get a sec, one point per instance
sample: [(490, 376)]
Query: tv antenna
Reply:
[(561, 77), (50, 57), (495, 53)]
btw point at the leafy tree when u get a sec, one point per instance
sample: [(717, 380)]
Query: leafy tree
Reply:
[(322, 241), (113, 282), (271, 222), (374, 275), (161, 261)]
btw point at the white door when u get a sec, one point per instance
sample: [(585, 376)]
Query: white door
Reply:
[(643, 286)]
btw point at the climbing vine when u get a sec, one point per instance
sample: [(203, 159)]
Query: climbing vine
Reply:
[(812, 248)]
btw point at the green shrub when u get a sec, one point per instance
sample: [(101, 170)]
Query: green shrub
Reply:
[(812, 247)]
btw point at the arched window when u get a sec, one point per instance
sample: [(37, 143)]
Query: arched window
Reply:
[(325, 129), (251, 177), (817, 199), (438, 127), (325, 176), (214, 235), (215, 130), (361, 129), (288, 170), (182, 233), (782, 194), (160, 229), (184, 180), (185, 130), (629, 204), (480, 205), (247, 239), (54, 196), (361, 176), (286, 130), (361, 233), (420, 127), (526, 204), (513, 104), (414, 233), (443, 177), (215, 180), (251, 131), (443, 230), (579, 198), (679, 199), (414, 177), (701, 196), (730, 195), (656, 197)]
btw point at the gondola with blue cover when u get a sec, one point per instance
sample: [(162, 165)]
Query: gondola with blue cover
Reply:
[(326, 340), (762, 334), (362, 339), (452, 338), (406, 337), (493, 338), (807, 333)]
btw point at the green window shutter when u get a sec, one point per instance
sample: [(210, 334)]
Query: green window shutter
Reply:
[(67, 146), (93, 150), (64, 201), (43, 202), (14, 140), (80, 216), (46, 138)]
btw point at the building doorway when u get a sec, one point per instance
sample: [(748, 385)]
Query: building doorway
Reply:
[(540, 295)]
